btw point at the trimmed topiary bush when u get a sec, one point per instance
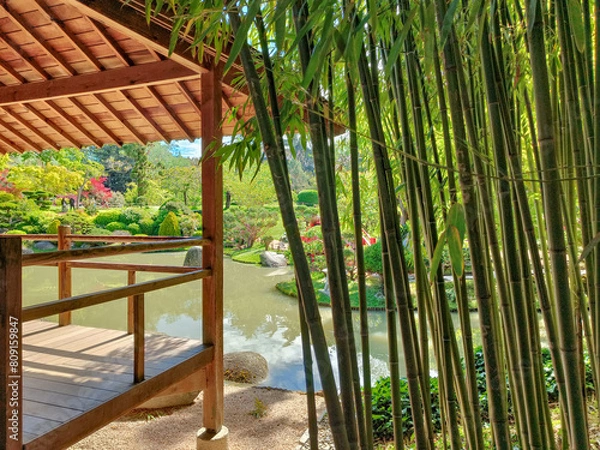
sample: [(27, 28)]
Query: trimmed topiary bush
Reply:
[(146, 226), (53, 227), (114, 226), (79, 222), (170, 226), (105, 217), (15, 232), (133, 228), (309, 197), (373, 261), (100, 232)]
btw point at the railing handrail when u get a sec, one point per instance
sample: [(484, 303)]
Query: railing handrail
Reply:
[(94, 252), (85, 300), (100, 238)]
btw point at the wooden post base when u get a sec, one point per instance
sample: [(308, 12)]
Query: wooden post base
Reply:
[(207, 440)]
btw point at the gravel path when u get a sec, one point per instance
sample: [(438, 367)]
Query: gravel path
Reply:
[(280, 428)]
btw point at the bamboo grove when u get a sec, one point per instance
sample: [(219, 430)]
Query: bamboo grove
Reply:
[(481, 117)]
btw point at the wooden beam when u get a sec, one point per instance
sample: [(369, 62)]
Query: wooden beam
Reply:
[(11, 331), (132, 268), (189, 97), (94, 83), (12, 72), (110, 42), (212, 256), (131, 276), (10, 144), (32, 35), (72, 431), (155, 126), (30, 128), (138, 338), (131, 23), (65, 280)]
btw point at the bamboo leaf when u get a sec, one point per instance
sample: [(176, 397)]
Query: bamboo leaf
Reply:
[(316, 61), (395, 50), (242, 34), (589, 247), (456, 218), (474, 9), (448, 19), (455, 249), (437, 255), (280, 22), (576, 19)]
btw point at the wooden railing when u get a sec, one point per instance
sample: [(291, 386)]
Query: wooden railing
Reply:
[(12, 314)]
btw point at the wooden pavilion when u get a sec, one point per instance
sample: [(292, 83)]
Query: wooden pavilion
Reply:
[(75, 73)]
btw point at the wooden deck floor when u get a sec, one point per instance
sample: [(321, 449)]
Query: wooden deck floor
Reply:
[(69, 371)]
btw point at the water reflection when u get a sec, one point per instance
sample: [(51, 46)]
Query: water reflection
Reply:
[(257, 317)]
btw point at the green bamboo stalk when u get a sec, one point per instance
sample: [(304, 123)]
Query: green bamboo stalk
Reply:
[(554, 226), (280, 180)]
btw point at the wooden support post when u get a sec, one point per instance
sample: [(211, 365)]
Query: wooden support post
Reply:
[(64, 273), (212, 255), (130, 281), (11, 374), (138, 338)]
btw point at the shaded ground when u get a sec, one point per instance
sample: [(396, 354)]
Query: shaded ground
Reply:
[(280, 428)]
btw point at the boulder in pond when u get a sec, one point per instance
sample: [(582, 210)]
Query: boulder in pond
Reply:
[(245, 367), (193, 257), (44, 245), (272, 259)]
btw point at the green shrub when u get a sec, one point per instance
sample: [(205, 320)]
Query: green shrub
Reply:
[(53, 227), (114, 226), (135, 215), (133, 228), (190, 223), (170, 226), (373, 261), (105, 217), (29, 229), (308, 197), (146, 226), (15, 232), (79, 222), (383, 427), (100, 232)]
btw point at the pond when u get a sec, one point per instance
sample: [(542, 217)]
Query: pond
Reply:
[(258, 317)]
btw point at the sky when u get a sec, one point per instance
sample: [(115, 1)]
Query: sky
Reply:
[(186, 148)]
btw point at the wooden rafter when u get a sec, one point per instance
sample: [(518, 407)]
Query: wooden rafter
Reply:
[(150, 120), (189, 97), (33, 36), (70, 139), (129, 22), (12, 72), (110, 42), (231, 106), (20, 135), (92, 118), (113, 112), (61, 112), (170, 113), (32, 63), (83, 49), (93, 83), (29, 127)]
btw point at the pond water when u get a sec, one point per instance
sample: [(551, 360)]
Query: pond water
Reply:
[(258, 317)]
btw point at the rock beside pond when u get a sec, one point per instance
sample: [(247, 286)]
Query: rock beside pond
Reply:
[(44, 245), (272, 259), (193, 257), (245, 367), (27, 251)]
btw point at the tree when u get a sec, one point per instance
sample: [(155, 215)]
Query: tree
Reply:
[(243, 226)]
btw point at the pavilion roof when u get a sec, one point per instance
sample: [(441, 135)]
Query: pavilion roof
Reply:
[(91, 72)]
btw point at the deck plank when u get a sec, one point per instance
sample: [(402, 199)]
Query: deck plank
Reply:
[(72, 370)]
